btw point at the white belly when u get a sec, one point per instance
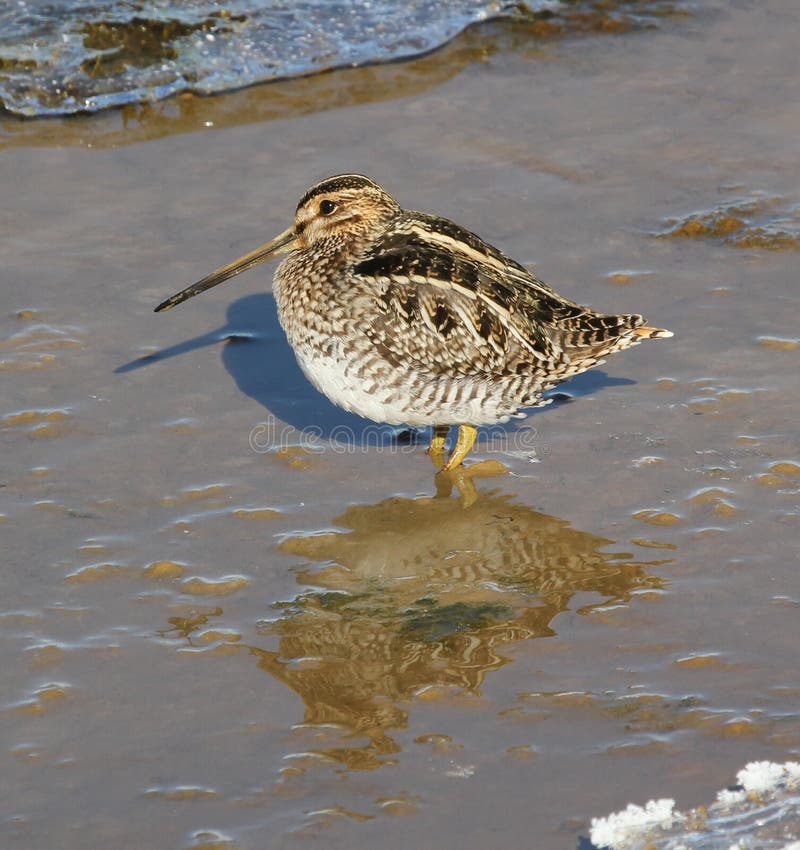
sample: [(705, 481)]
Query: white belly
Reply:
[(415, 405), (331, 376)]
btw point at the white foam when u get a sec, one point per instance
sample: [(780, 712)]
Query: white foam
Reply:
[(751, 816), (626, 830), (762, 777)]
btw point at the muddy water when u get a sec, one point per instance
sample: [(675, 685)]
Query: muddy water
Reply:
[(222, 630)]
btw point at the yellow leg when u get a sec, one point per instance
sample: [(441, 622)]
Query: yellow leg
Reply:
[(466, 440), (436, 448)]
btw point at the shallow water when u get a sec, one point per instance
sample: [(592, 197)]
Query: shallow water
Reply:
[(70, 57), (219, 633)]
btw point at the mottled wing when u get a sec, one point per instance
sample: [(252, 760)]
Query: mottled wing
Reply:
[(450, 303), (569, 327)]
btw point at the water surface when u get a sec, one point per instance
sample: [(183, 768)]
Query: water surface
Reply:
[(213, 642), (59, 59)]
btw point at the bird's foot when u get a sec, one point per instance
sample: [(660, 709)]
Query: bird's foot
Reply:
[(466, 440), (436, 448)]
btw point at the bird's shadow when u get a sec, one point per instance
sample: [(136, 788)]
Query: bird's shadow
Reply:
[(259, 359)]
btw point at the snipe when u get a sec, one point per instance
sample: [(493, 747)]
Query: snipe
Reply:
[(407, 318)]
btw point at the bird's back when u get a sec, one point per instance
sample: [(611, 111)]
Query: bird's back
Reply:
[(450, 305)]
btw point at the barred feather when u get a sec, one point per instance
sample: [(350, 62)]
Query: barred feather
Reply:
[(408, 318)]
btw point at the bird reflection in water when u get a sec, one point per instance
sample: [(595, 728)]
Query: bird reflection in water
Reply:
[(425, 592)]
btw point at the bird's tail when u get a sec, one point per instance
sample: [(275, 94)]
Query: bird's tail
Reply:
[(606, 334), (652, 333), (596, 335)]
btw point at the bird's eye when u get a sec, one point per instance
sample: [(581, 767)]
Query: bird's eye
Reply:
[(326, 207)]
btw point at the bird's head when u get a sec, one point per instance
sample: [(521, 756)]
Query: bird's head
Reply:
[(342, 209), (340, 212)]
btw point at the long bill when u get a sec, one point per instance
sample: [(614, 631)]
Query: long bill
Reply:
[(287, 241)]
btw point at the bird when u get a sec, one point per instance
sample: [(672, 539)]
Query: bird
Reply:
[(407, 318)]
